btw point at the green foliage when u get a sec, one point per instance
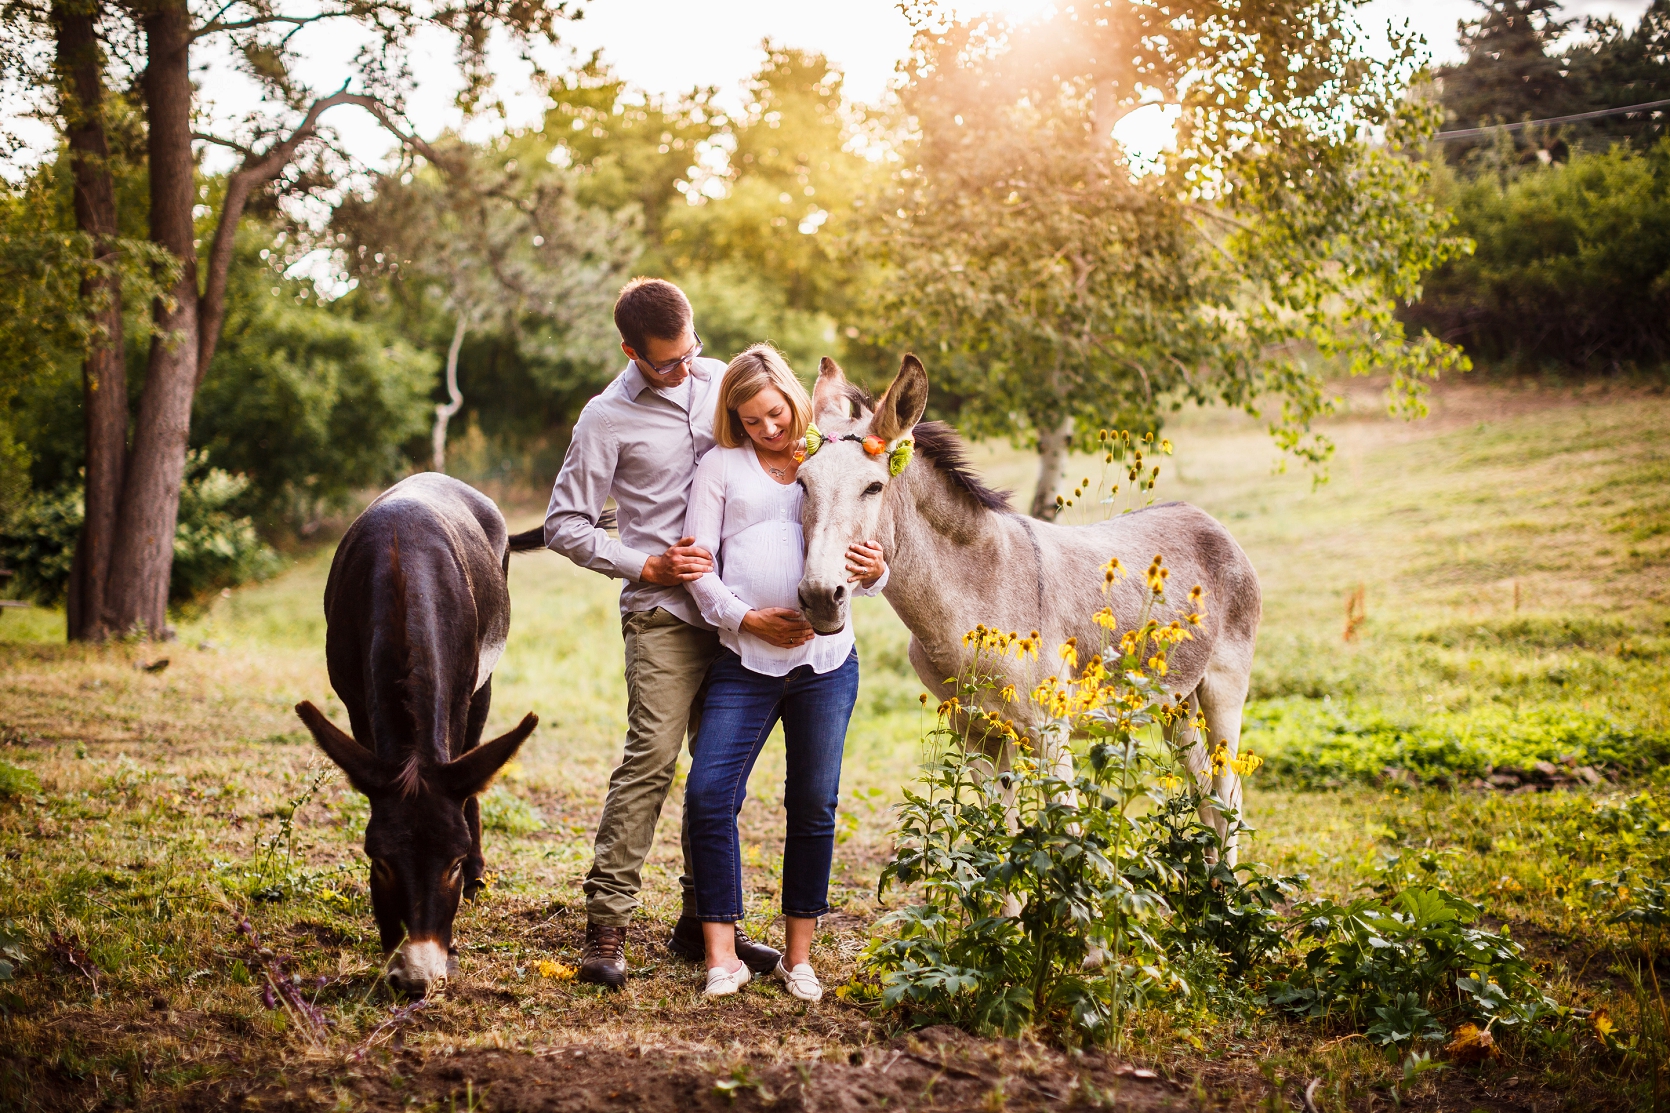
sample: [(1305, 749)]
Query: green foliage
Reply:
[(1052, 896), (307, 402), (17, 781), (214, 546), (1523, 63), (752, 237), (504, 811), (1016, 239), (45, 321), (1570, 265), (1403, 965), (38, 543), (1316, 744)]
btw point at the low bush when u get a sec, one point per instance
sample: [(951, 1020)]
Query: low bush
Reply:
[(15, 781), (1065, 880), (214, 546), (502, 810), (1326, 743)]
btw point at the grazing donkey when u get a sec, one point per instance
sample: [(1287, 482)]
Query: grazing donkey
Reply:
[(960, 557), (416, 613)]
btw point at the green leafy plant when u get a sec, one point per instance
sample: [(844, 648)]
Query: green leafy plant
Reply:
[(502, 810), (16, 781), (214, 545), (1062, 872), (1397, 963)]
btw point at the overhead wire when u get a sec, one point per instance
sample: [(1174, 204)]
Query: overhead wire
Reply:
[(1469, 133)]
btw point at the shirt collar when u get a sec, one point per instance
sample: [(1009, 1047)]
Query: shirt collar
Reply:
[(635, 382)]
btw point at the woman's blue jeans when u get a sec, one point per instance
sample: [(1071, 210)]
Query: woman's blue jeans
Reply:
[(741, 708)]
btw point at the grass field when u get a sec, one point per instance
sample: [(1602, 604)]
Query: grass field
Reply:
[(1511, 555)]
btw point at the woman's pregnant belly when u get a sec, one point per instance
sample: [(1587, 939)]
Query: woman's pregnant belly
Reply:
[(763, 564)]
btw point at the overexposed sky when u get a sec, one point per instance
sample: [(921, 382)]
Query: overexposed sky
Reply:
[(670, 46)]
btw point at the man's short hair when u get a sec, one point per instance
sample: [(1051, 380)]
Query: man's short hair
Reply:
[(651, 307)]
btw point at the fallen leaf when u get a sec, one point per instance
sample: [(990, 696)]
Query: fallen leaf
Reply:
[(549, 969), (1472, 1045)]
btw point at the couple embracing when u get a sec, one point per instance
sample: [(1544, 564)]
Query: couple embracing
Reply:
[(700, 458)]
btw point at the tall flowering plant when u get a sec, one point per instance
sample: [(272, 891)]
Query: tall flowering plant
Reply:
[(1057, 870)]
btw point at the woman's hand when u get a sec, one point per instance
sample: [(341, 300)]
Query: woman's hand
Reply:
[(783, 627), (865, 562)]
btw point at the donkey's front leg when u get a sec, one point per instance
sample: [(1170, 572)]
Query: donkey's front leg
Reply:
[(1185, 738)]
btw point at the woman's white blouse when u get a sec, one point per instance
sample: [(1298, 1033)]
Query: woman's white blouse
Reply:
[(751, 525)]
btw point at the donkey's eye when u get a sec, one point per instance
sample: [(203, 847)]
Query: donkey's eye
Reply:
[(872, 489)]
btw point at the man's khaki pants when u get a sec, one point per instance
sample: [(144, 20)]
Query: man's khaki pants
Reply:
[(666, 663)]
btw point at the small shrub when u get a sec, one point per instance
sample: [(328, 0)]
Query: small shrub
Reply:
[(15, 781), (502, 810), (1313, 744), (1050, 900), (214, 546)]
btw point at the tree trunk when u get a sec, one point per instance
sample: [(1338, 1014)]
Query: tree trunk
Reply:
[(103, 371), (137, 596), (1053, 445), (444, 411)]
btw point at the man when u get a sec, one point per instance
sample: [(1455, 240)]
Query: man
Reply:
[(639, 442)]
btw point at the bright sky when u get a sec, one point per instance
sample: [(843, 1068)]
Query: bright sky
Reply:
[(668, 46)]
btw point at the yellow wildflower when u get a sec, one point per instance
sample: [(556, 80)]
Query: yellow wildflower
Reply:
[(1008, 693)]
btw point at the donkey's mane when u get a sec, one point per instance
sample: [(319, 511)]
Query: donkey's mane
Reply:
[(939, 445), (410, 777)]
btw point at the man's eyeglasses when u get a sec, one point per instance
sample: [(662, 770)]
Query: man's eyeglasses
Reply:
[(687, 357)]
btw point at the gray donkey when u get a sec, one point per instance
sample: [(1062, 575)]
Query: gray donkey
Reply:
[(960, 557)]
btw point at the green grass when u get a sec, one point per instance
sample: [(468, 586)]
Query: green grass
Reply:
[(1514, 554)]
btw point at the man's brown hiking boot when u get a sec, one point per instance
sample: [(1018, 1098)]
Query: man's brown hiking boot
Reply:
[(603, 962)]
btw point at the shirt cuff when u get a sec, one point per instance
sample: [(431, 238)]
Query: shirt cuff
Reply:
[(630, 563), (875, 588), (731, 613)]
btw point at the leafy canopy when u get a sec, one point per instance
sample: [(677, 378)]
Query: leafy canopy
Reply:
[(1276, 240)]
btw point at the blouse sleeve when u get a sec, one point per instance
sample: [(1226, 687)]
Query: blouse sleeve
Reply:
[(705, 521)]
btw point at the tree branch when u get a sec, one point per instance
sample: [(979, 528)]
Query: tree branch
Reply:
[(257, 170), (215, 27), (203, 137)]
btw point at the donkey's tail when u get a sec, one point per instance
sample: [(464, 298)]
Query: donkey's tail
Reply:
[(530, 539)]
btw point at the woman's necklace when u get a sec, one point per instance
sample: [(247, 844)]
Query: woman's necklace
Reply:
[(781, 474)]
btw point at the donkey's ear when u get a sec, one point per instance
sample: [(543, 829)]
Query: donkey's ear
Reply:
[(901, 407), (364, 771), (831, 396), (471, 773)]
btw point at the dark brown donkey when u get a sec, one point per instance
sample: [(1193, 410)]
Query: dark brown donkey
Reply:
[(416, 613)]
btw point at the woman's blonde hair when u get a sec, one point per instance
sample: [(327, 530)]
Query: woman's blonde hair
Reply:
[(749, 373)]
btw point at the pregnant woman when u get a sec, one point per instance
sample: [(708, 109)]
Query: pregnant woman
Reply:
[(745, 509)]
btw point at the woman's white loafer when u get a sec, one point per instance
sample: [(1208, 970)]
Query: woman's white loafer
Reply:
[(723, 983), (802, 981)]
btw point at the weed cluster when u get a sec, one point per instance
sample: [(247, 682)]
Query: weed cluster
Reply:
[(1067, 878)]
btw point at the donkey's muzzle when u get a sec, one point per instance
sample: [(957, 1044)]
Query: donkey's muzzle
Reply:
[(825, 608)]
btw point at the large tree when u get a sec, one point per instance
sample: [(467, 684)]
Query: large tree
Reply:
[(133, 489), (1061, 289)]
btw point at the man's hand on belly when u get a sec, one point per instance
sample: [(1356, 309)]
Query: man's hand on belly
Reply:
[(680, 564)]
